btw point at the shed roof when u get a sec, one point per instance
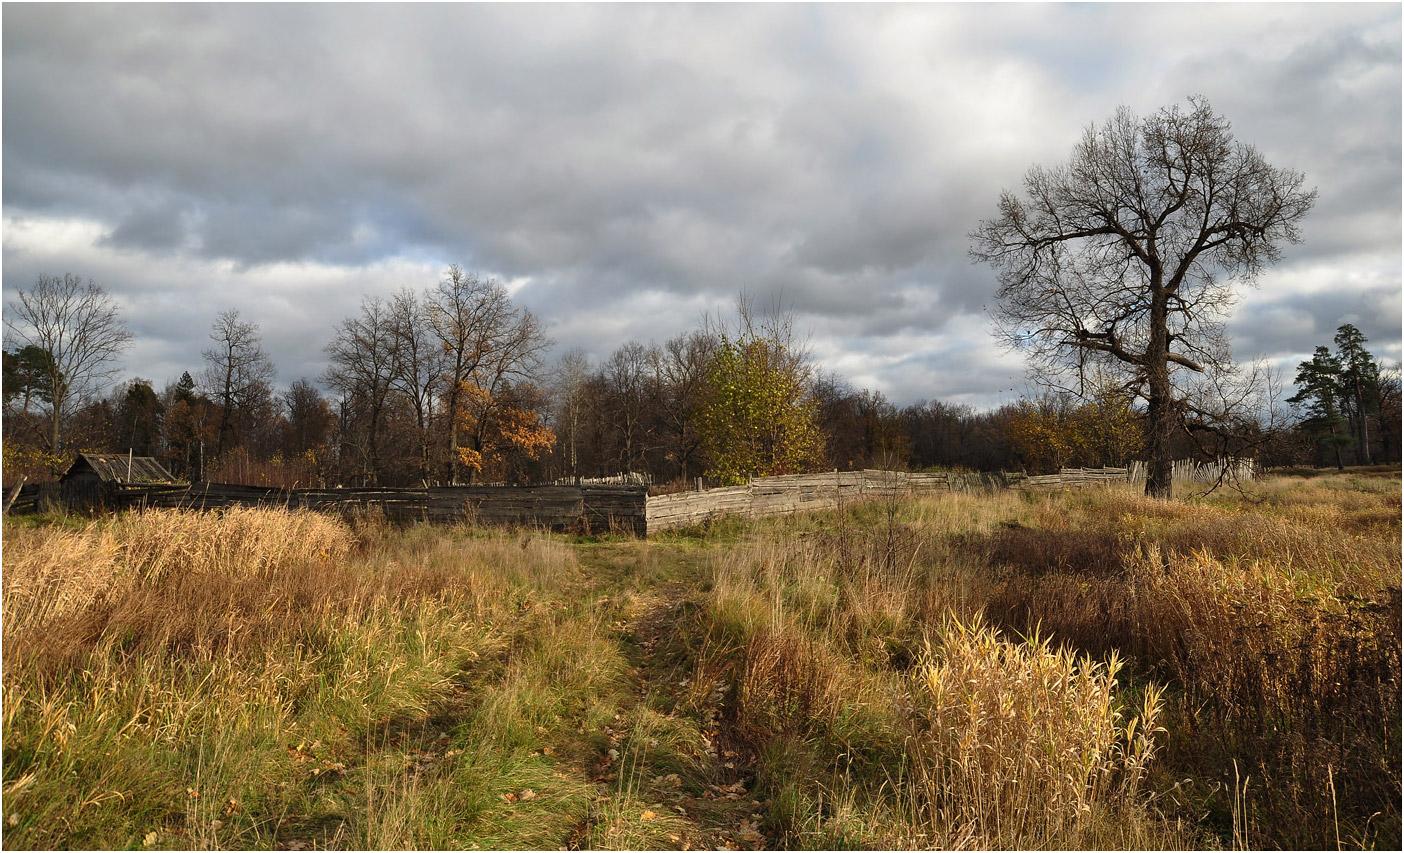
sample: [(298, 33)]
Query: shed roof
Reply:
[(113, 468)]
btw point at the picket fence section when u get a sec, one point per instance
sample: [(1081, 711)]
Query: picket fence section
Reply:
[(781, 495)]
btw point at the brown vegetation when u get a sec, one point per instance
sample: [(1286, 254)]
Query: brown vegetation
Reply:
[(1082, 669)]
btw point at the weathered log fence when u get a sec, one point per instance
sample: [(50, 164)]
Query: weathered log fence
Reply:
[(606, 506), (579, 508)]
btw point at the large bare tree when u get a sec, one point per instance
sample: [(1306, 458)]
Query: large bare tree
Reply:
[(237, 374), (1129, 255), (80, 329), (488, 345)]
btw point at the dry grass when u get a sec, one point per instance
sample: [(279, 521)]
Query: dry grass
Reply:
[(1084, 669), (1270, 620), (203, 680), (1017, 744)]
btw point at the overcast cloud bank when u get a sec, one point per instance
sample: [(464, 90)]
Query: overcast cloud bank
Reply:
[(628, 168)]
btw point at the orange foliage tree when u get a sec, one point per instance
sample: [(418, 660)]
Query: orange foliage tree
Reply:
[(502, 431)]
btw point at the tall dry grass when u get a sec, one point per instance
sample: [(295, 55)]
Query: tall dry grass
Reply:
[(184, 680), (1274, 616), (1018, 744), (1271, 619)]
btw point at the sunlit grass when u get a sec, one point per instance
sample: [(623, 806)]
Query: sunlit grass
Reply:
[(1075, 669)]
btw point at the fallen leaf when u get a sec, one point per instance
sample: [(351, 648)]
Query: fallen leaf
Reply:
[(648, 815), (150, 839)]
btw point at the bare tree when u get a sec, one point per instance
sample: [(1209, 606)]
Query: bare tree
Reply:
[(1128, 255), (237, 373), (464, 313), (362, 370), (682, 372), (505, 374), (419, 367), (488, 344), (80, 328), (626, 375), (309, 419), (572, 374)]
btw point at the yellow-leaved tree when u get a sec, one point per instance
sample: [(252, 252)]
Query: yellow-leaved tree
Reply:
[(758, 416), (1055, 431)]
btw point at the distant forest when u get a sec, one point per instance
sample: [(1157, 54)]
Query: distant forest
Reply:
[(454, 384)]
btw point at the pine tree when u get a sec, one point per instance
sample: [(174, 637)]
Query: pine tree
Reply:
[(1360, 380), (1320, 384)]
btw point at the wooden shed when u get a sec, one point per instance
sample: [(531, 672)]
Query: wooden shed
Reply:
[(93, 479)]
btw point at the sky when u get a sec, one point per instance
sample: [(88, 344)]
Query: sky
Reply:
[(626, 169)]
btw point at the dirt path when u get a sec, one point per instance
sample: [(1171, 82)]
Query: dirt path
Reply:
[(678, 763)]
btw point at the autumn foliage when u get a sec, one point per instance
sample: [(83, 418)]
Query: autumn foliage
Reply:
[(757, 418), (500, 429), (1053, 432)]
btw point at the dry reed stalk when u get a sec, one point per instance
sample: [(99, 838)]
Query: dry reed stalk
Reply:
[(1019, 744)]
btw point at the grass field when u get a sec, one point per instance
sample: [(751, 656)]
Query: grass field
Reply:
[(1077, 670)]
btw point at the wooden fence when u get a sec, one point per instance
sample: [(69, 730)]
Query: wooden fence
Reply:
[(804, 492), (34, 497), (603, 507), (577, 508), (1230, 469)]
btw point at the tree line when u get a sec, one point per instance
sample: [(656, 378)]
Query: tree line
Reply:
[(451, 384), (1116, 276)]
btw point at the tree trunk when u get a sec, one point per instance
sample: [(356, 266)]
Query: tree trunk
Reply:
[(373, 463), (1160, 413), (1160, 427), (1364, 428), (453, 437)]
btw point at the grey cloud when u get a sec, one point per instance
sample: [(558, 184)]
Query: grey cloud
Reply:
[(1291, 326), (650, 154)]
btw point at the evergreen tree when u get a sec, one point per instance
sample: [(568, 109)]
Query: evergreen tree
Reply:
[(1320, 384), (1360, 381)]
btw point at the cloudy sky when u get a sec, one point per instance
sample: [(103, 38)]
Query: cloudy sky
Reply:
[(625, 169)]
